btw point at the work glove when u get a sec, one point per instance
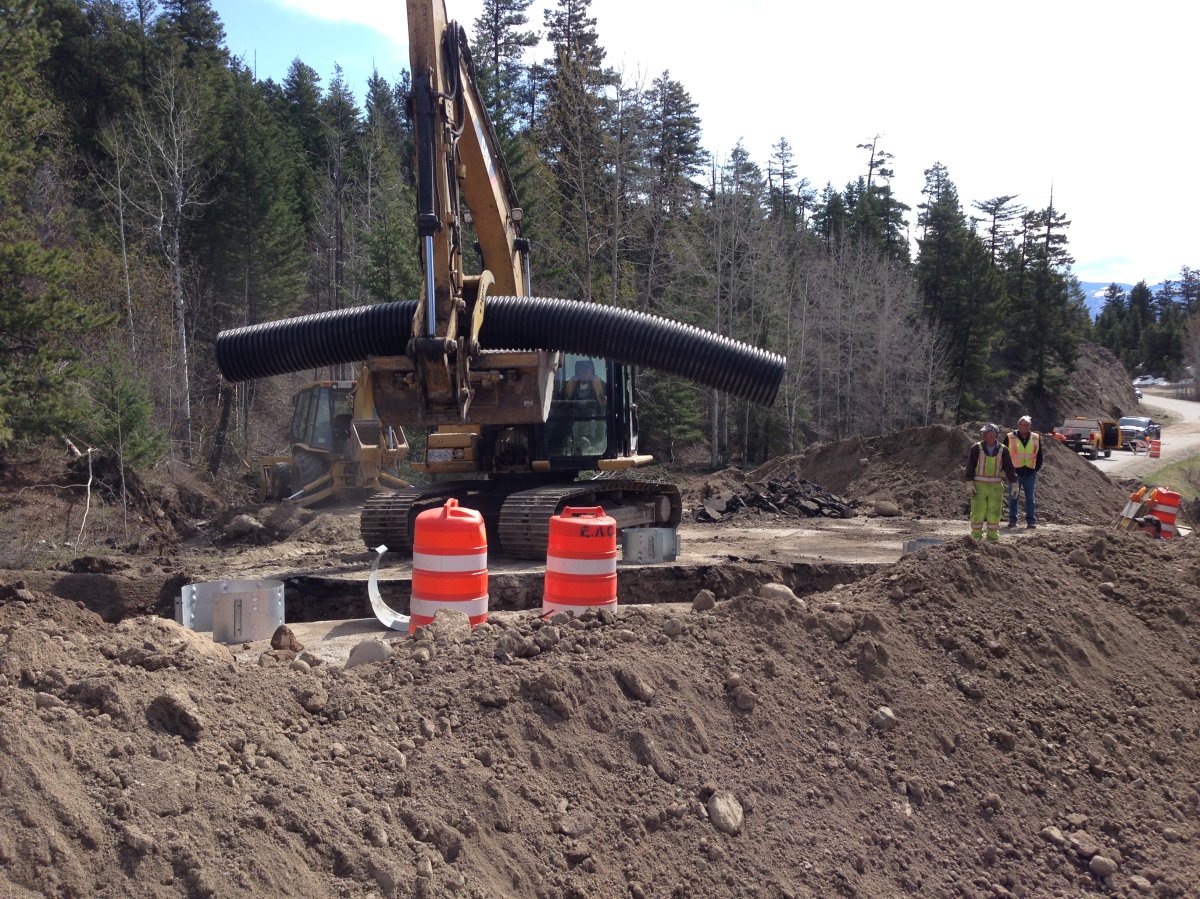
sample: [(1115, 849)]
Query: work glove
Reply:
[(971, 491)]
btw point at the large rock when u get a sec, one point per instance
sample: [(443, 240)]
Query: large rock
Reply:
[(242, 526), (840, 626), (449, 626), (175, 713), (283, 638), (368, 652), (777, 591), (886, 509), (725, 812)]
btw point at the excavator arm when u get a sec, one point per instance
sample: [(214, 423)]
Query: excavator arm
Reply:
[(458, 161)]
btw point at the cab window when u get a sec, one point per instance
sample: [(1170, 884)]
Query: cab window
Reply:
[(578, 424)]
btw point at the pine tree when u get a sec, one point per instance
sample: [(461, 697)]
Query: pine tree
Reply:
[(875, 215), (253, 230), (340, 115), (999, 213), (1043, 326), (499, 46), (674, 159), (41, 322), (390, 268), (196, 25), (572, 138), (302, 94), (962, 292)]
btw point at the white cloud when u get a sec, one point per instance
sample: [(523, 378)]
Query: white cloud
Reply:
[(388, 17)]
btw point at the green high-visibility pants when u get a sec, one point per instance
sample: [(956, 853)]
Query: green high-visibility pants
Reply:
[(986, 507)]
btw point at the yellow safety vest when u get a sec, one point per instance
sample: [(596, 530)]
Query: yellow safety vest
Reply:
[(988, 469), (1027, 457)]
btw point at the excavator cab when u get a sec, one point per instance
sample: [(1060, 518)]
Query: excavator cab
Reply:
[(592, 415)]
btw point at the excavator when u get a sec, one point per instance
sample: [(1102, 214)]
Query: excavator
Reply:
[(520, 394)]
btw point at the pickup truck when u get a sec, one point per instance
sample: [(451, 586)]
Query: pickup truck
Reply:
[(1089, 435), (1138, 427)]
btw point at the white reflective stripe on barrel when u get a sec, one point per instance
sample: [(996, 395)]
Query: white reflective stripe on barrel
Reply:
[(428, 607), (1170, 510), (549, 607), (561, 565), (432, 562)]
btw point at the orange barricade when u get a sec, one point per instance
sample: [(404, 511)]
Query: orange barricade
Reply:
[(449, 565), (1165, 507), (581, 562), (1155, 449)]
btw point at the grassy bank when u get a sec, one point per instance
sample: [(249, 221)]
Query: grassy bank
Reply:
[(1182, 476)]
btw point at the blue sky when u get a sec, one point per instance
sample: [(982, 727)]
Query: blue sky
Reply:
[(268, 36), (1090, 100)]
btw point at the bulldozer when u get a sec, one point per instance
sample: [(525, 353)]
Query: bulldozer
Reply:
[(338, 445), (521, 395)]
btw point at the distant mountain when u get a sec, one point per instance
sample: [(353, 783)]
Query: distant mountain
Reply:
[(1094, 290)]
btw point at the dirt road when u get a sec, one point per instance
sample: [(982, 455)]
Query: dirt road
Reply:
[(1179, 439)]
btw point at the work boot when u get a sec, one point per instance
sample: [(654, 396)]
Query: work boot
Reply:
[(1010, 525), (1029, 527)]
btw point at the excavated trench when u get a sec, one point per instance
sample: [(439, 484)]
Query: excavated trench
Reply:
[(342, 593), (317, 597)]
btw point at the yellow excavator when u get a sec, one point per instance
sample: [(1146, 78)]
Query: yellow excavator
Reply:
[(520, 394), (338, 445)]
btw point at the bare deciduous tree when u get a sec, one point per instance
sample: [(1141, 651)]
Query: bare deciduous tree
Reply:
[(166, 140)]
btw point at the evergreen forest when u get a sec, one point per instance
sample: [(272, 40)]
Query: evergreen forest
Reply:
[(154, 192)]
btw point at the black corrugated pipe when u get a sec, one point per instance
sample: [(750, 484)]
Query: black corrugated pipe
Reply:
[(513, 323)]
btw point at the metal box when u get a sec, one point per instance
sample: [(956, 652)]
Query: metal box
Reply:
[(912, 546), (649, 545), (235, 611)]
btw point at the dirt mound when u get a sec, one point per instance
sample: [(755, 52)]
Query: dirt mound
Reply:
[(921, 470), (975, 720)]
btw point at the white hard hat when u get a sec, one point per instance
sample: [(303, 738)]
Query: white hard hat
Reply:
[(989, 428), (1024, 420)]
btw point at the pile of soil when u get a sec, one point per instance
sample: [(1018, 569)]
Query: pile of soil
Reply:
[(921, 470), (975, 720), (790, 496)]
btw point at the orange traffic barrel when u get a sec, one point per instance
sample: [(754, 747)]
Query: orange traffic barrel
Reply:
[(1155, 449), (581, 562), (449, 565), (1165, 509)]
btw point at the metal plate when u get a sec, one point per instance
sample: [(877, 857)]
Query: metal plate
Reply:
[(234, 611), (649, 545)]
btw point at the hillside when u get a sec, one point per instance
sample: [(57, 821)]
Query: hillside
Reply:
[(1099, 386)]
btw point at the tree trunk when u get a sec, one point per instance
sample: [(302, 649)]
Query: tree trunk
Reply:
[(219, 439)]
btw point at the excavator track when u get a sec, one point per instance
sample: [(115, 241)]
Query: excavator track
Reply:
[(522, 522), (388, 518), (525, 515)]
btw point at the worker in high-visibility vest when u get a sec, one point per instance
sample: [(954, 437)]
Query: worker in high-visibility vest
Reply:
[(988, 466), (1025, 450)]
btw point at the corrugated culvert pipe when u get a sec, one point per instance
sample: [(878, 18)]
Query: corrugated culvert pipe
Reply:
[(511, 323)]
